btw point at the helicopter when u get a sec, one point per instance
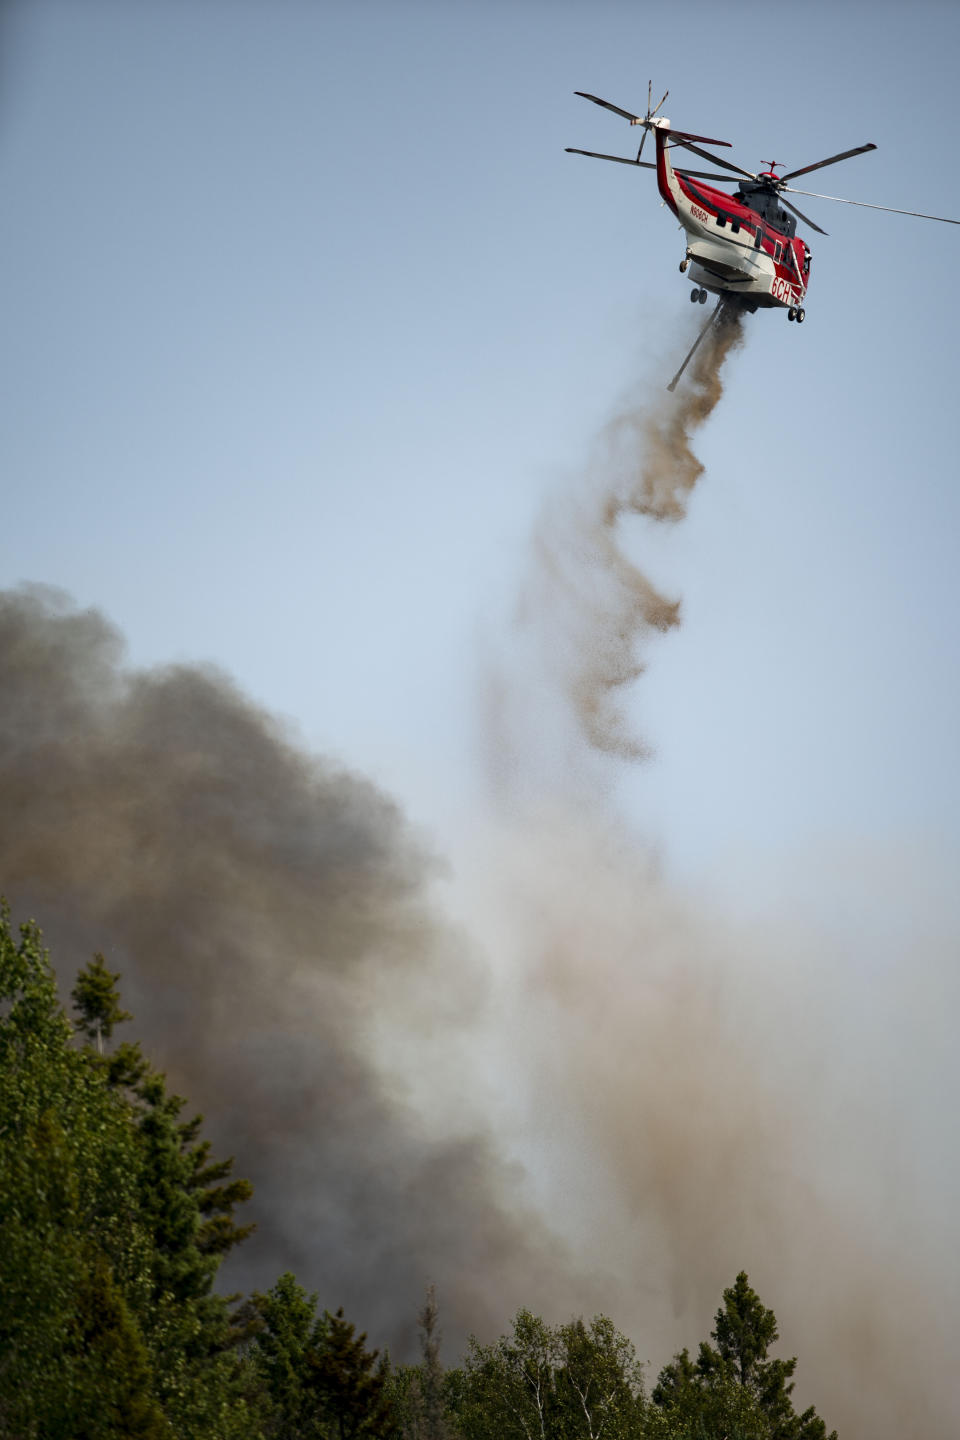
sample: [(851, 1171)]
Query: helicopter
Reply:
[(742, 247)]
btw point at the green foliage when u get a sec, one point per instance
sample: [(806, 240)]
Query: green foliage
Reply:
[(744, 1329), (686, 1409), (284, 1326), (322, 1381), (507, 1385), (114, 1218), (349, 1382), (69, 1224), (551, 1383), (112, 1223), (97, 1002), (119, 1399), (600, 1384), (733, 1388), (419, 1393)]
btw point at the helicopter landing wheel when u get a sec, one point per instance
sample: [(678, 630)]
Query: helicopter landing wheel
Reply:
[(800, 315), (792, 313), (702, 297), (683, 266), (694, 295)]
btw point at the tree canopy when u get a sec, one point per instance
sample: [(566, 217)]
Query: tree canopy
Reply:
[(733, 1387), (115, 1217), (541, 1381)]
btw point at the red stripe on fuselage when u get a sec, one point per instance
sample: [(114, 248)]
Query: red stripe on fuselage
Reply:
[(713, 203), (663, 172)]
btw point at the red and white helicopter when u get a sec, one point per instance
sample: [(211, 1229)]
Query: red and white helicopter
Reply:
[(743, 247)]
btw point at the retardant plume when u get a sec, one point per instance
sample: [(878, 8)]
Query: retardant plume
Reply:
[(642, 464), (268, 912), (713, 1098)]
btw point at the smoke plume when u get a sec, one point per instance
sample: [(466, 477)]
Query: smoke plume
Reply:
[(688, 1095), (265, 908)]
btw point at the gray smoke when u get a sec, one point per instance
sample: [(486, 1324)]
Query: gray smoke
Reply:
[(265, 908)]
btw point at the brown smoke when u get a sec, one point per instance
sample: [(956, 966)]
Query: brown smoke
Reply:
[(642, 464), (714, 1103), (268, 911), (712, 1100)]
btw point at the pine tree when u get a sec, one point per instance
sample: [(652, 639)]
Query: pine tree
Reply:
[(96, 999), (323, 1382), (433, 1423), (348, 1383), (281, 1326), (178, 1161), (120, 1399), (69, 1224), (734, 1386), (113, 1220), (744, 1330)]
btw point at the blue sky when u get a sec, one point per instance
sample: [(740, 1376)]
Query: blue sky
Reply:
[(306, 310), (305, 315)]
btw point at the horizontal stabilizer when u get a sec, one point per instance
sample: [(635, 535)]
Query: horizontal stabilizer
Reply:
[(683, 135)]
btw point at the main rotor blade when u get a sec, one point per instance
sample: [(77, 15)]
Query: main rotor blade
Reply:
[(865, 204), (645, 120), (701, 175), (651, 113), (714, 159), (620, 159), (800, 215), (844, 155), (647, 165), (627, 114)]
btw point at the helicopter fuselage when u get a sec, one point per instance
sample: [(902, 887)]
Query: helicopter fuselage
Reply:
[(742, 245)]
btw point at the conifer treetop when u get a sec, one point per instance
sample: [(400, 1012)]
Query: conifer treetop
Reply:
[(97, 1001)]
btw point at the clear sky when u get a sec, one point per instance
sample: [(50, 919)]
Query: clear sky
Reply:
[(304, 307), (305, 314), (305, 310)]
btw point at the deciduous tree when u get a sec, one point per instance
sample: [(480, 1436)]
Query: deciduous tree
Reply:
[(569, 1382)]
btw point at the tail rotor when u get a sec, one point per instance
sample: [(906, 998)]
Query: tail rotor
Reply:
[(645, 122)]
